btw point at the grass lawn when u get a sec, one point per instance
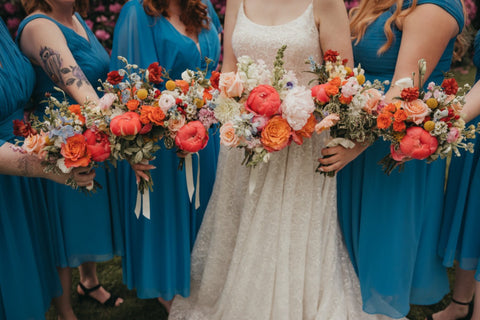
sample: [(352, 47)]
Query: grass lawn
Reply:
[(110, 274)]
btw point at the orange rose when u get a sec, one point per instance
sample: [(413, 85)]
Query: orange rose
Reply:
[(306, 131), (133, 104), (77, 110), (416, 110), (276, 134), (384, 120), (151, 114), (75, 152)]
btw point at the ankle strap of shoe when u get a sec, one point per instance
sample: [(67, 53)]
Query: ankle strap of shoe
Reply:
[(461, 303)]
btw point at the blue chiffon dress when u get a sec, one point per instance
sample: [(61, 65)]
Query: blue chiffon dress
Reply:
[(157, 250), (28, 277), (459, 239), (83, 224), (391, 223)]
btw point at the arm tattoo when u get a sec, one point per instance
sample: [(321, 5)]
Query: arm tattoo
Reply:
[(25, 166), (52, 64)]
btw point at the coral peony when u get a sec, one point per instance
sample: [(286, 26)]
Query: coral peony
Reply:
[(127, 124), (418, 143), (263, 100), (98, 145), (192, 137)]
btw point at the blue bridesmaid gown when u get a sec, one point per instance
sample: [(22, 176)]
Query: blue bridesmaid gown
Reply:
[(28, 277), (391, 223), (459, 239), (85, 226), (157, 251)]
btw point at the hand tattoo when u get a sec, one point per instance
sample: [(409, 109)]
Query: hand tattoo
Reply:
[(52, 64)]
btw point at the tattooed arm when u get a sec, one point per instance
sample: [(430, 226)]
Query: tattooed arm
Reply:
[(20, 164), (45, 45)]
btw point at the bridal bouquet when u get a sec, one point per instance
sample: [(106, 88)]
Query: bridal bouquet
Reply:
[(344, 102), (130, 107), (67, 137), (424, 125), (262, 110)]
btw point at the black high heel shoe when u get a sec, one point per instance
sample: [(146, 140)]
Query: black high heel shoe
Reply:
[(469, 314), (110, 302)]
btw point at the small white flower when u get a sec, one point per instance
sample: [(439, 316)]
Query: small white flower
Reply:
[(61, 165)]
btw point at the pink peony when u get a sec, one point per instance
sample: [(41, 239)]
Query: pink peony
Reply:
[(418, 143)]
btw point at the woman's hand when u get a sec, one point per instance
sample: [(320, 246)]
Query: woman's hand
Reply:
[(182, 154), (339, 157), (141, 170), (82, 176)]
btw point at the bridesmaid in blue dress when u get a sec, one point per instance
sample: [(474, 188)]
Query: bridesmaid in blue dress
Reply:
[(28, 278), (459, 239), (65, 53), (391, 223), (157, 250)]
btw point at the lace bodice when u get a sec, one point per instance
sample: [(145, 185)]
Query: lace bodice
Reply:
[(262, 42)]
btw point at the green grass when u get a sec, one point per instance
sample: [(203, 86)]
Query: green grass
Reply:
[(110, 274)]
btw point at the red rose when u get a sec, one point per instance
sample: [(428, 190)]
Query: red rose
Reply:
[(450, 86), (410, 94), (155, 73), (331, 55), (75, 152), (192, 137), (127, 124), (264, 100), (22, 129), (113, 77), (418, 143), (98, 145), (215, 79)]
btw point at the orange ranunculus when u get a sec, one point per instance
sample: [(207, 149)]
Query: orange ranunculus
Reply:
[(133, 104), (214, 79), (183, 85), (390, 108), (207, 96), (77, 110), (416, 110), (331, 90), (151, 114), (384, 120), (276, 134), (399, 126), (306, 131), (75, 152), (400, 115), (337, 82)]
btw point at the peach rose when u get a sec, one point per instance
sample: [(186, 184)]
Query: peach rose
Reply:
[(75, 152), (276, 134), (34, 144), (175, 124), (230, 84), (327, 122), (416, 110), (374, 97), (227, 135)]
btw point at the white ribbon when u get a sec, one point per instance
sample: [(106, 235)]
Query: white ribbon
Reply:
[(252, 181), (189, 177), (347, 144), (142, 204)]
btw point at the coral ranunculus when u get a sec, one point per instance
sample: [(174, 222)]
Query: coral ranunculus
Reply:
[(133, 104), (98, 145), (155, 115), (320, 94), (155, 73), (276, 134), (192, 137), (75, 152), (418, 143), (264, 100), (113, 77), (127, 124), (384, 120)]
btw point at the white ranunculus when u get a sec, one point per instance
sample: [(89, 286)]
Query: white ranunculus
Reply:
[(165, 102), (297, 107), (404, 83)]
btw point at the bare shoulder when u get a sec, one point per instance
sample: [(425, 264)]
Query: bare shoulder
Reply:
[(328, 9), (41, 29)]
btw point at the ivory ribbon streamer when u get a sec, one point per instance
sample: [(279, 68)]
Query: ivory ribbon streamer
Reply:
[(252, 181), (142, 204), (189, 177), (348, 144)]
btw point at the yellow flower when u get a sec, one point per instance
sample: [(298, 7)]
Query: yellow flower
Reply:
[(170, 85), (349, 70), (432, 103), (399, 135), (429, 125), (142, 94), (198, 102), (361, 79)]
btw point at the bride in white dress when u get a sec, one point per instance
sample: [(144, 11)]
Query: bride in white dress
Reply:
[(275, 253)]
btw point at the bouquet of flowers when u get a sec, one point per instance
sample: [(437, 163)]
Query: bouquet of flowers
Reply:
[(67, 137), (345, 103), (262, 111), (424, 125)]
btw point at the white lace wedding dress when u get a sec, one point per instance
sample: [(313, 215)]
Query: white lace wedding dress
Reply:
[(276, 253)]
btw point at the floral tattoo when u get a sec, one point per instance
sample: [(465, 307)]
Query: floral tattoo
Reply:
[(52, 63)]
